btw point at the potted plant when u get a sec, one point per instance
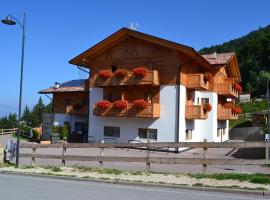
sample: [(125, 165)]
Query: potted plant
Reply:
[(120, 104), (207, 107), (55, 137), (140, 72), (238, 87), (105, 74), (139, 104), (104, 104), (120, 73)]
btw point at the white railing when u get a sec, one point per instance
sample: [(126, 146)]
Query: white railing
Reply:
[(8, 131)]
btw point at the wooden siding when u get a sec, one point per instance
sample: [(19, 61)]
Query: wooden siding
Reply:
[(226, 114), (151, 111), (195, 112), (74, 97), (151, 78)]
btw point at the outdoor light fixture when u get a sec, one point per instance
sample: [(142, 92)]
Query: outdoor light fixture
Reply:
[(11, 20), (8, 21)]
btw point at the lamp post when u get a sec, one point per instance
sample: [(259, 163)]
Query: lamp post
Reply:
[(10, 20)]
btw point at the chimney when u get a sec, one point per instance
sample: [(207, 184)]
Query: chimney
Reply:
[(215, 55), (56, 85)]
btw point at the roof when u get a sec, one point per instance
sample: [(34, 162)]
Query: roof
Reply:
[(118, 35), (69, 86), (219, 58), (228, 59)]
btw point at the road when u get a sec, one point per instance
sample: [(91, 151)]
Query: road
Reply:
[(13, 187)]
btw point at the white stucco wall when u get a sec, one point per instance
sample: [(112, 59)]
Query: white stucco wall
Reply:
[(129, 126), (60, 118)]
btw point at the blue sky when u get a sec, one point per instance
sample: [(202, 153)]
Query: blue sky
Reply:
[(58, 30)]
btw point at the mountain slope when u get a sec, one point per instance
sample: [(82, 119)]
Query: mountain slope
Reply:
[(253, 54)]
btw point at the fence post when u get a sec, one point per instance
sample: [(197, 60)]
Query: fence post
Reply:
[(266, 153), (204, 157), (63, 154), (33, 162), (101, 154), (2, 132)]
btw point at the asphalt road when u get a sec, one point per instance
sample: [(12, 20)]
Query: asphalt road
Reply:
[(13, 187)]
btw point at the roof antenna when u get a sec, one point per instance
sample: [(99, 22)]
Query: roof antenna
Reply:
[(133, 26)]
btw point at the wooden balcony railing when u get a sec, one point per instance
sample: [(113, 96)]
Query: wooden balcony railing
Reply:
[(151, 78), (77, 109), (227, 89), (196, 81), (226, 114), (195, 112), (152, 111)]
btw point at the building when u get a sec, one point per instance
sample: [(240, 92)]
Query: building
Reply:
[(244, 97), (143, 87), (70, 107)]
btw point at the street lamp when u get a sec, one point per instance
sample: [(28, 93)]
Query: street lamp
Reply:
[(10, 20)]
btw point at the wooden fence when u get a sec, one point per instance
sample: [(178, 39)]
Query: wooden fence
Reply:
[(8, 131), (148, 147)]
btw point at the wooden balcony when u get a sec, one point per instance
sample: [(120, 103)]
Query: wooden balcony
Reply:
[(77, 109), (195, 112), (196, 81), (227, 88), (226, 114), (152, 111), (151, 78)]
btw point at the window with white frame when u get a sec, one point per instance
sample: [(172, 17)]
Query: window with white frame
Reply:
[(143, 132)]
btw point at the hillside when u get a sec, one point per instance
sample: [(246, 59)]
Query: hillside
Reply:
[(253, 54)]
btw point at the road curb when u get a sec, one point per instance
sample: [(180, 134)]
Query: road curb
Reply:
[(160, 185)]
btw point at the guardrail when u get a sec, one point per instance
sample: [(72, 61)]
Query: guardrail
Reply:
[(8, 131), (148, 147)]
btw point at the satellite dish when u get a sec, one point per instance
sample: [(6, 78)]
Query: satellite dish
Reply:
[(133, 26)]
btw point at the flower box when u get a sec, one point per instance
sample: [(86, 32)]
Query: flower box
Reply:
[(140, 72), (120, 73), (120, 104), (105, 74), (139, 104), (103, 104)]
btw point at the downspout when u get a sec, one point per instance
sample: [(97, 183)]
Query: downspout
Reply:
[(178, 81)]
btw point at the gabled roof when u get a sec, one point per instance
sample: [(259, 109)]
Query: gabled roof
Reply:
[(228, 59), (69, 86), (219, 58), (117, 36)]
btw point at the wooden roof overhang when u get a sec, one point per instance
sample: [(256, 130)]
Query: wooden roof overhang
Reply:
[(84, 59)]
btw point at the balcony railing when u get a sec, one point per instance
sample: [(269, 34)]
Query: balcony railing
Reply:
[(151, 111), (195, 112), (151, 78), (226, 114), (227, 87), (196, 81), (77, 109)]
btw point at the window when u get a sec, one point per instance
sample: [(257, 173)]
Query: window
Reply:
[(218, 132), (189, 134), (67, 102), (114, 68), (111, 131), (142, 133), (205, 100), (221, 131), (224, 131)]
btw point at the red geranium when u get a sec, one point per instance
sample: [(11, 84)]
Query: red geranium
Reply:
[(120, 104), (237, 110), (207, 107), (104, 104), (140, 71), (139, 104), (105, 73), (120, 73), (238, 87)]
